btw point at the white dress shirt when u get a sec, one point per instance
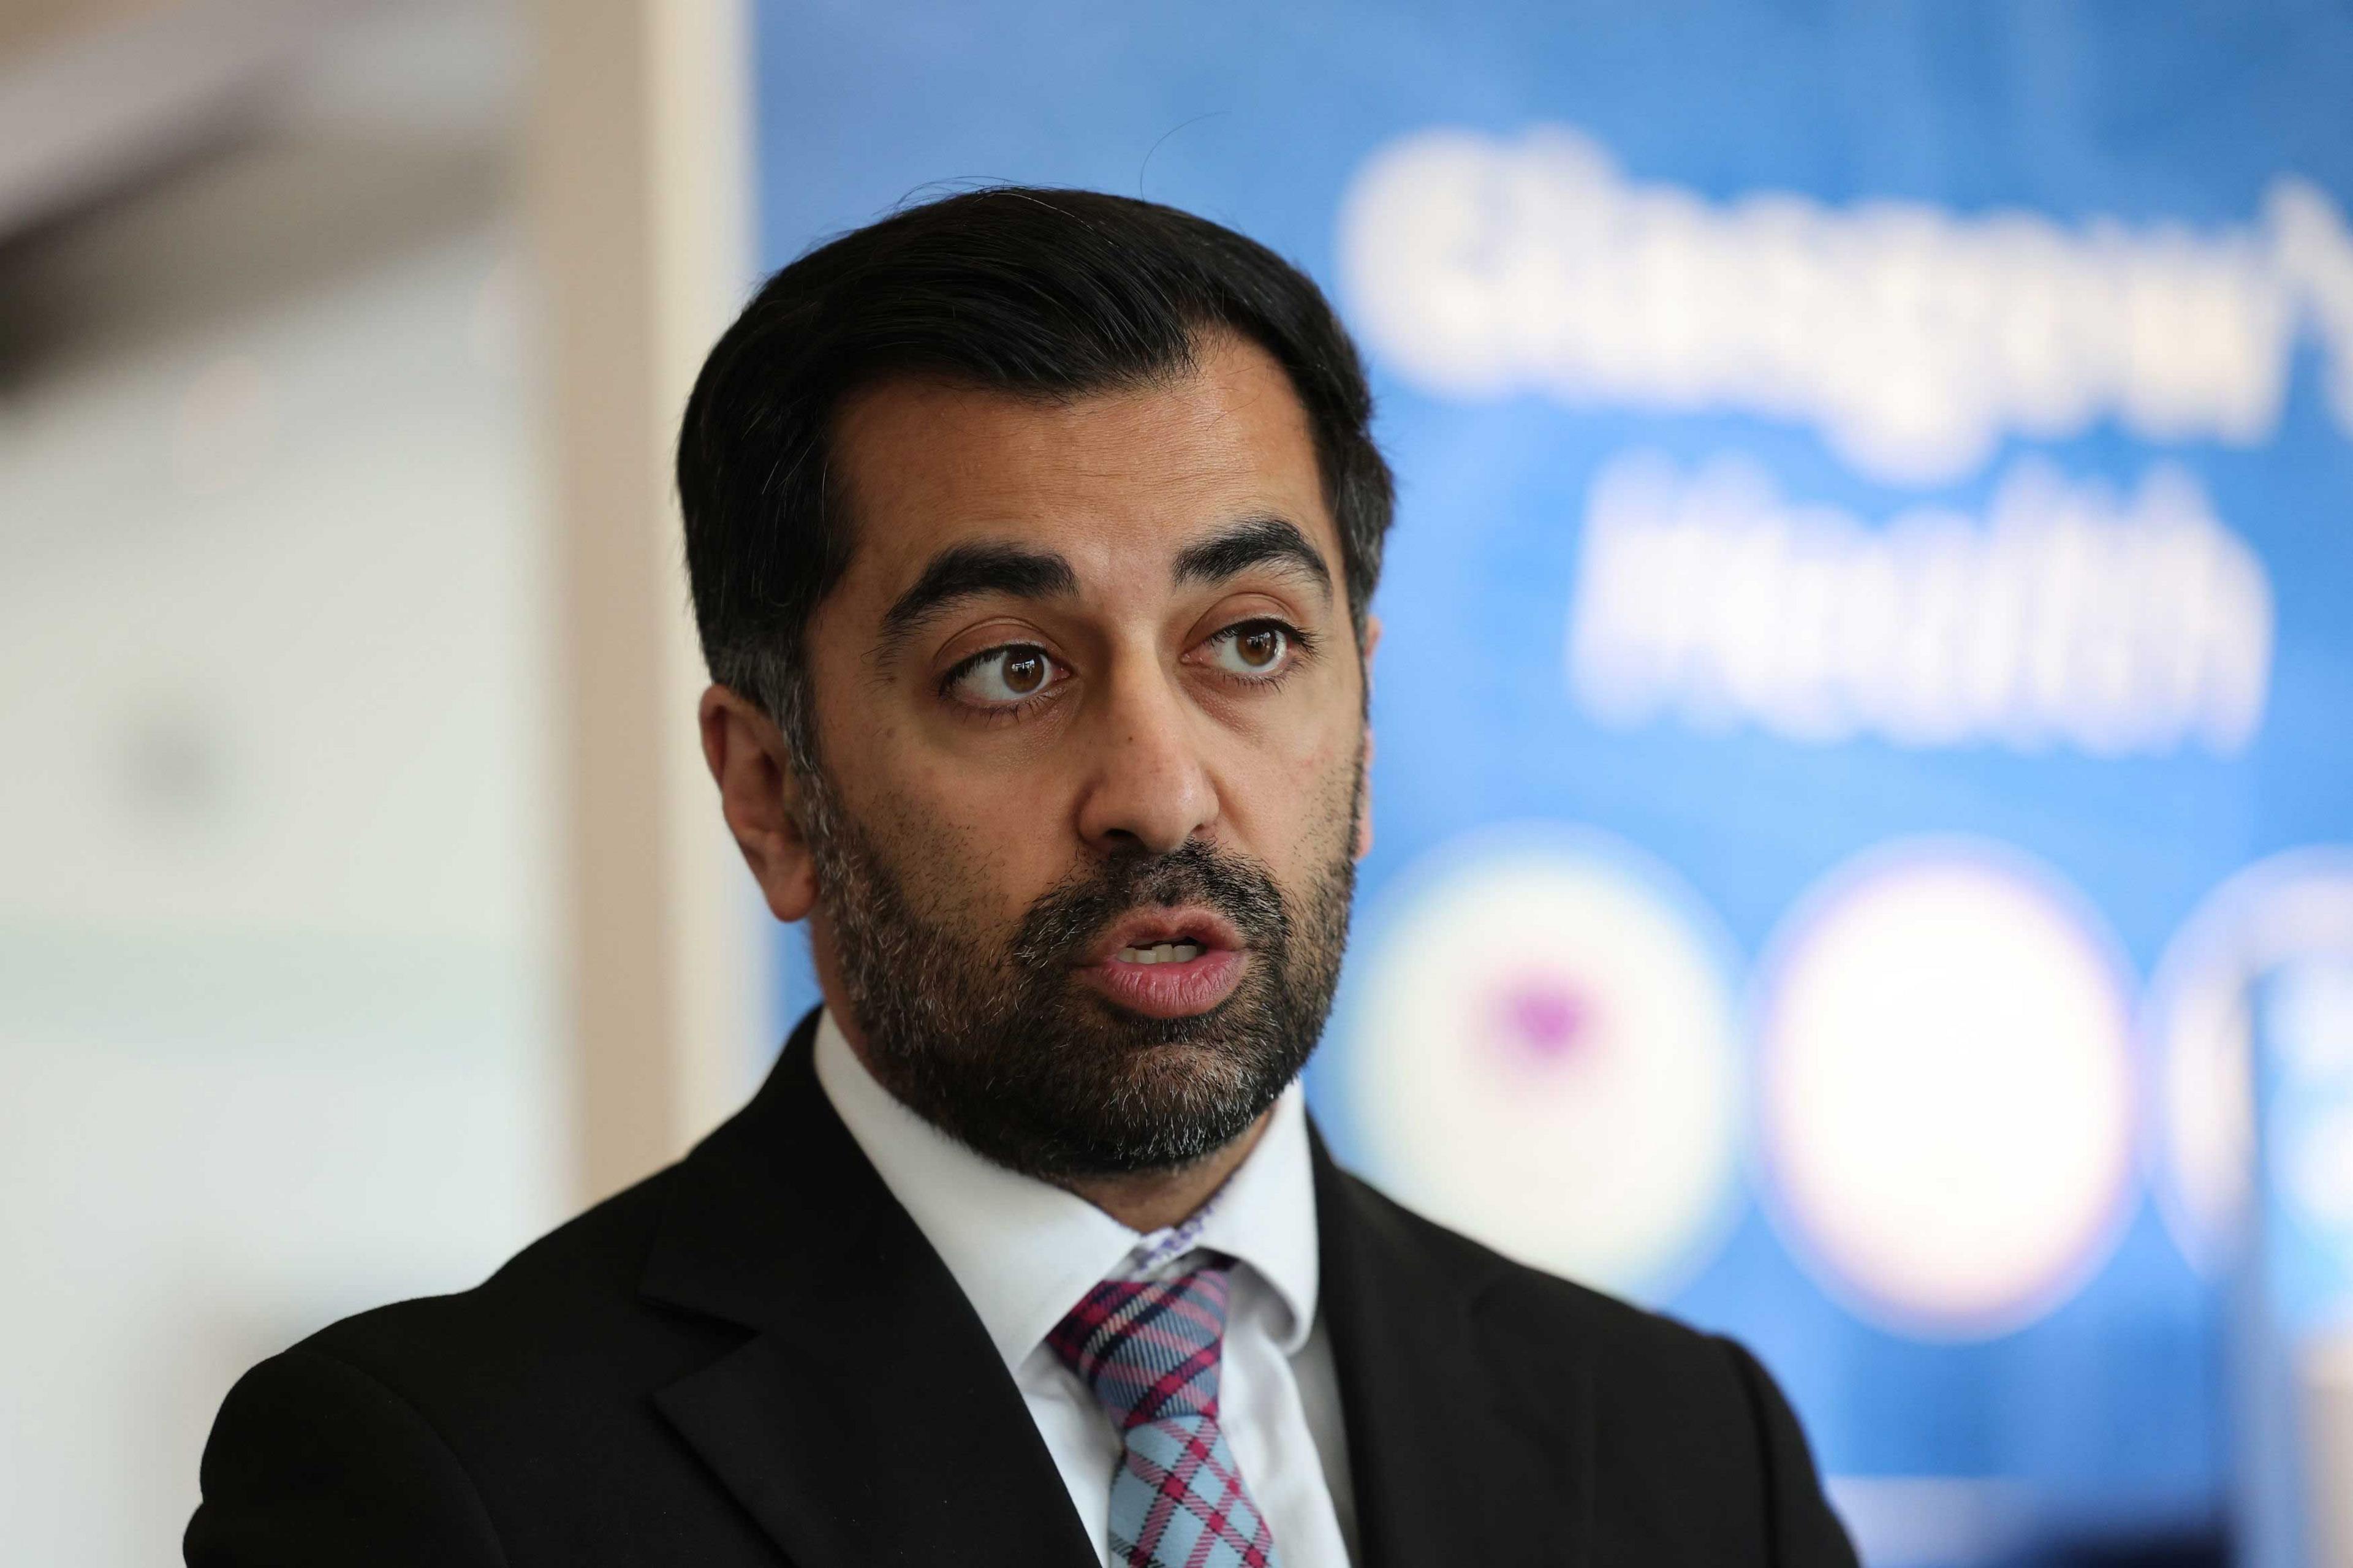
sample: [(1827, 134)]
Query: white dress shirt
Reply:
[(1026, 1251)]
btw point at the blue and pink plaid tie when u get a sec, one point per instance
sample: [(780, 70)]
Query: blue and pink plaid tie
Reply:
[(1150, 1350)]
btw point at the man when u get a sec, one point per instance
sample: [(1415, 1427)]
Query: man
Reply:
[(1032, 536)]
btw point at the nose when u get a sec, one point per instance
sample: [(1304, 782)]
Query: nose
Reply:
[(1147, 786)]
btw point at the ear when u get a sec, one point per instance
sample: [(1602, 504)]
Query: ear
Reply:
[(1365, 786), (761, 797)]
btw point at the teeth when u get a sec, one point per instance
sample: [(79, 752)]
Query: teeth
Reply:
[(1161, 953)]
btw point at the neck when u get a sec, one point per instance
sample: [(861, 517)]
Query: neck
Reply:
[(1153, 1200)]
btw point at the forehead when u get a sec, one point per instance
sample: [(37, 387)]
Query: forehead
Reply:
[(1116, 481)]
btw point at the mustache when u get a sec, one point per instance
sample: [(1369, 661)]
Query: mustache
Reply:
[(1065, 921)]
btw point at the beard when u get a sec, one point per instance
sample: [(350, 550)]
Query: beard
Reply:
[(1005, 1049)]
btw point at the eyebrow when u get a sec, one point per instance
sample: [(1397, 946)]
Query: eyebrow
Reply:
[(970, 570), (1256, 541)]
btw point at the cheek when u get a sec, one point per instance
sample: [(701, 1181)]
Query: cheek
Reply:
[(1288, 800), (972, 848)]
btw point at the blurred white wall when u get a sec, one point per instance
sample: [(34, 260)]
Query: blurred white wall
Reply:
[(275, 848)]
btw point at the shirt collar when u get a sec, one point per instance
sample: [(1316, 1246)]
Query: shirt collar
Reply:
[(1025, 1251)]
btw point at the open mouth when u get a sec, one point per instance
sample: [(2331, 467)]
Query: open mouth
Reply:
[(1168, 963), (1161, 953)]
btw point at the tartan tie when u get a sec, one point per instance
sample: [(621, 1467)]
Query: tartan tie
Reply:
[(1150, 1350)]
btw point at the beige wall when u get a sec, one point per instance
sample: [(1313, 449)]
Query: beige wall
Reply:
[(639, 179)]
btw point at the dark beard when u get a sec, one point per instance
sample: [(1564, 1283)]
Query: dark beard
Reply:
[(1007, 1050)]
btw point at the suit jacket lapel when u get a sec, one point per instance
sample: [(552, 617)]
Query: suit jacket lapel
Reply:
[(1460, 1450), (869, 1419)]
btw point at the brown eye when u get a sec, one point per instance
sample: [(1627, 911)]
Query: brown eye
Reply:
[(1255, 648), (1025, 672), (1003, 676)]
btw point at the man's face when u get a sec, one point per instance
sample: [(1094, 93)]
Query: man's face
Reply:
[(1088, 715)]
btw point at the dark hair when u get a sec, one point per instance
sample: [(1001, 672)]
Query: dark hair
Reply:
[(1051, 292)]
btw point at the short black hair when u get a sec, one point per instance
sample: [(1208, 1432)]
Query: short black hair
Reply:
[(1056, 293)]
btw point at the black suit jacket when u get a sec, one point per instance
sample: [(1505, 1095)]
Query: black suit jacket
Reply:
[(756, 1358)]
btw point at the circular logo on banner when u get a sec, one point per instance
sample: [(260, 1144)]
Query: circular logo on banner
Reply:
[(1947, 1087), (2197, 1027), (1544, 1055)]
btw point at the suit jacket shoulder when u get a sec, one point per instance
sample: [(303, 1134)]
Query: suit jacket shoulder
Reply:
[(566, 1295), (1680, 1447), (716, 1367), (511, 1422)]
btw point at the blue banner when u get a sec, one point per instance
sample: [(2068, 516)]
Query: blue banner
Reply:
[(1868, 682)]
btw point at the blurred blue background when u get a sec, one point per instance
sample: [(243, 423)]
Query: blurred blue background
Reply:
[(1872, 568)]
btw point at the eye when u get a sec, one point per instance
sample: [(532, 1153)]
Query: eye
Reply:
[(1002, 676), (1254, 650)]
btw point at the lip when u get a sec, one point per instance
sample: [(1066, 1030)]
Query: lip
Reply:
[(1169, 990), (1183, 922)]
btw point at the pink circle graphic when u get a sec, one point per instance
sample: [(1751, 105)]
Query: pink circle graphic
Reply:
[(1544, 1055)]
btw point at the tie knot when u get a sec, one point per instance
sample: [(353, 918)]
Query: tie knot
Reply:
[(1149, 1348)]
